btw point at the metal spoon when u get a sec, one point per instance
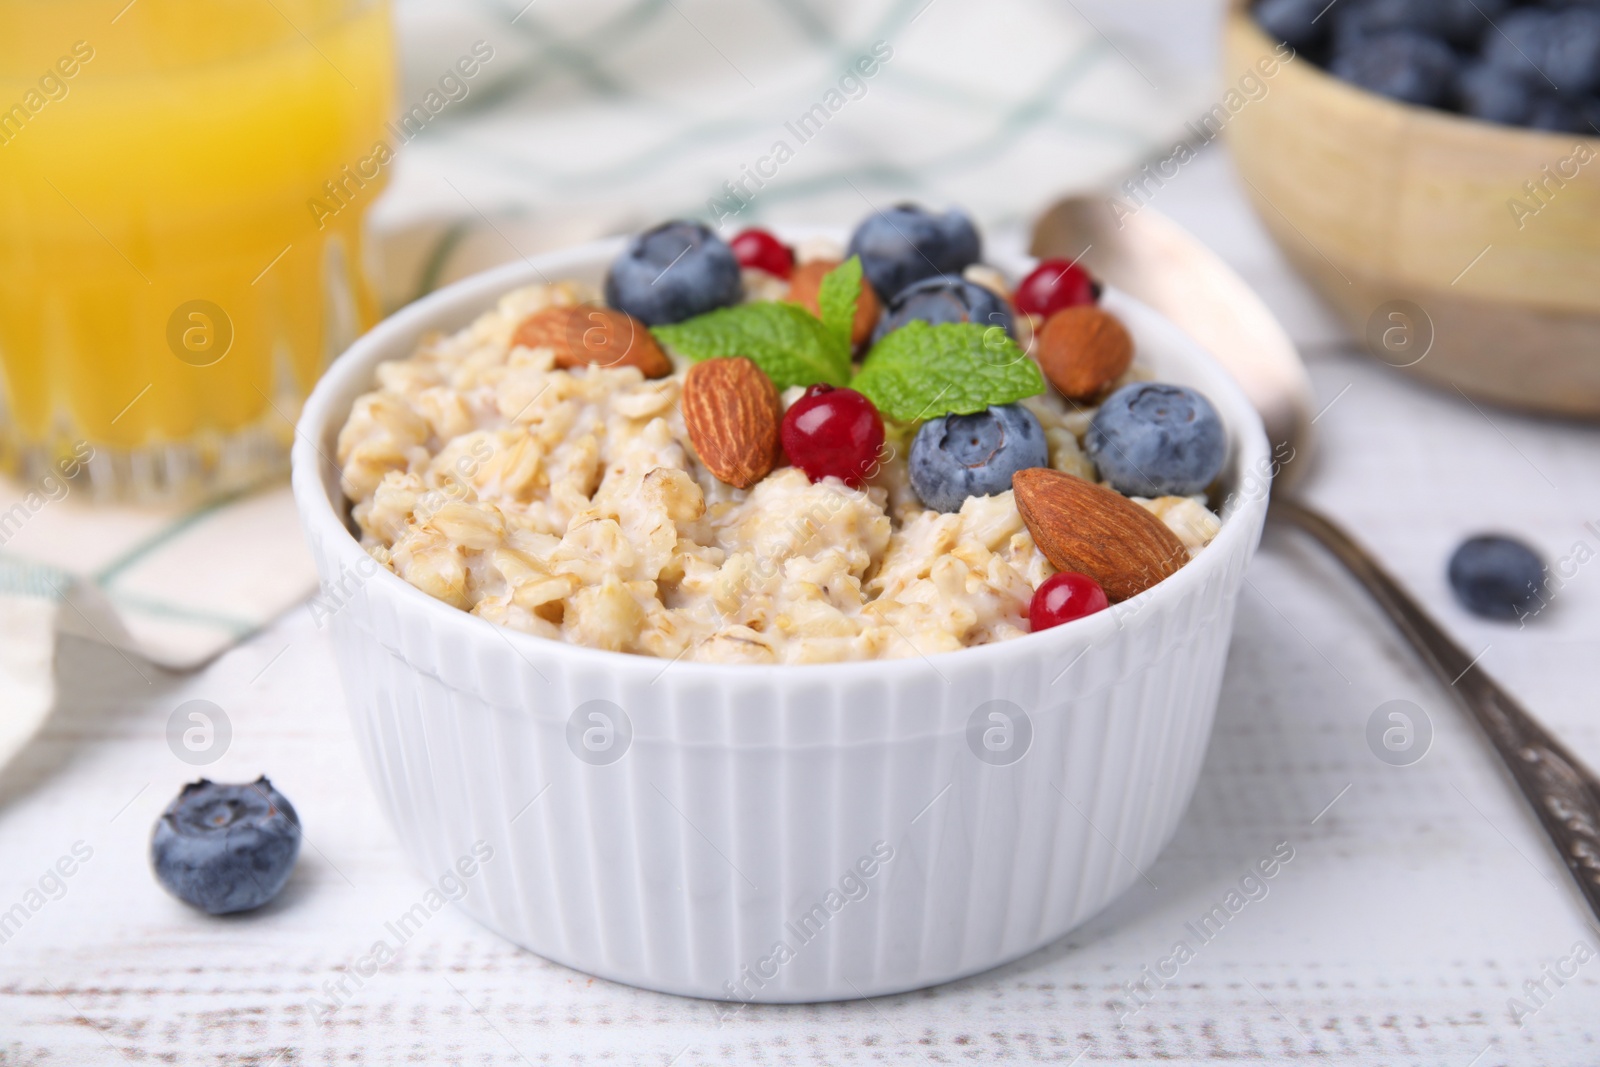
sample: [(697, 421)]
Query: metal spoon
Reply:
[(1156, 261)]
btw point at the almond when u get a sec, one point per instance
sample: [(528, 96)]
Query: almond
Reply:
[(1084, 527), (1082, 350), (590, 336), (732, 412), (805, 286)]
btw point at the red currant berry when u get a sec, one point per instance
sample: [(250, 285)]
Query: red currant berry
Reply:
[(759, 249), (834, 432), (1053, 285), (1063, 597)]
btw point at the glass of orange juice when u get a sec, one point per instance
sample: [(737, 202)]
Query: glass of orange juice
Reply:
[(182, 186)]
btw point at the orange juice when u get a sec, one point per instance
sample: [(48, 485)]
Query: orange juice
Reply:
[(168, 293)]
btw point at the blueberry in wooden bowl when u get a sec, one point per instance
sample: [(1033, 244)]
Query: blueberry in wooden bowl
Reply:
[(1433, 168)]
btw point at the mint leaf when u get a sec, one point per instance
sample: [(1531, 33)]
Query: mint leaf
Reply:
[(921, 371), (785, 340), (837, 298)]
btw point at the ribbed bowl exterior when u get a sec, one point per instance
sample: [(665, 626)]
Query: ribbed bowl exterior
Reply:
[(775, 833)]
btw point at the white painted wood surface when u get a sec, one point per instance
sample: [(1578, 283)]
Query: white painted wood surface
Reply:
[(1416, 905)]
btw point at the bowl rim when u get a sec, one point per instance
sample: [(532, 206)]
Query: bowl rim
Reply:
[(315, 486)]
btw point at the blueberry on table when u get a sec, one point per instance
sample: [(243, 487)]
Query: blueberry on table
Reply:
[(958, 456), (1402, 65), (945, 298), (1151, 439), (908, 243), (674, 272), (226, 848), (1496, 577)]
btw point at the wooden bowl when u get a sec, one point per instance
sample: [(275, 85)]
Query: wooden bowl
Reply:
[(1465, 252)]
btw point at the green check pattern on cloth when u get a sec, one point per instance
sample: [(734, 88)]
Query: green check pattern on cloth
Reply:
[(595, 117), (599, 117), (166, 587)]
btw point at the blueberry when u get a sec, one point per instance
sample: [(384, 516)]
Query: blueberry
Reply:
[(226, 848), (958, 456), (1464, 23), (908, 243), (1574, 61), (1589, 113), (1559, 48), (1494, 94), (1523, 42), (1402, 65), (1496, 577), (674, 272), (1551, 111), (1295, 22), (1157, 440), (1460, 22), (941, 299)]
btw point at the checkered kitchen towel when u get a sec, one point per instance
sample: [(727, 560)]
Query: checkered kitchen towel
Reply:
[(587, 117), (598, 117), (171, 587)]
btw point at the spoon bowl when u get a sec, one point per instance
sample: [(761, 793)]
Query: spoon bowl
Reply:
[(1156, 261)]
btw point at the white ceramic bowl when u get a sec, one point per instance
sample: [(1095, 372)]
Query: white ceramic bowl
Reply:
[(776, 833)]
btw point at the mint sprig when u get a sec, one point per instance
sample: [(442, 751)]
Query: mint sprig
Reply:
[(786, 341), (837, 299), (917, 372), (921, 371)]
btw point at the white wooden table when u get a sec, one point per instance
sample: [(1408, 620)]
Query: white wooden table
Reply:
[(1419, 898)]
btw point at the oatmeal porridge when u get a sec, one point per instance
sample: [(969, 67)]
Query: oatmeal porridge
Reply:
[(569, 497)]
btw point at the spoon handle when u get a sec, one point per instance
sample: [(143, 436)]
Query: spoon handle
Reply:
[(1564, 793)]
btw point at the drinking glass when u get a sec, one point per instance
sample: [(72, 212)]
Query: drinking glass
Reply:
[(182, 187)]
